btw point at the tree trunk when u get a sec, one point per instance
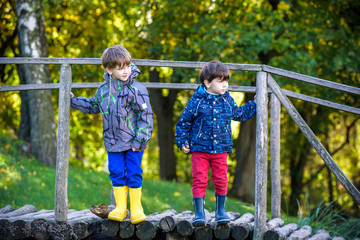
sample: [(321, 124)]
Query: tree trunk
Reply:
[(298, 159), (36, 107), (163, 108), (244, 177)]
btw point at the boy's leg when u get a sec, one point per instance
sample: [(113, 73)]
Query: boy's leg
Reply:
[(219, 169), (134, 181), (133, 168), (117, 175), (200, 168), (116, 166)]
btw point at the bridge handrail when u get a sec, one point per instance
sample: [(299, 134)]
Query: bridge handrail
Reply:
[(264, 84), (182, 86), (189, 64)]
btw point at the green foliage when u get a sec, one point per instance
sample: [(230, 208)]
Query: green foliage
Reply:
[(322, 217), (328, 218)]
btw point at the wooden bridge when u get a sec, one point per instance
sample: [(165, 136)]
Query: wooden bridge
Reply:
[(264, 79), (27, 222)]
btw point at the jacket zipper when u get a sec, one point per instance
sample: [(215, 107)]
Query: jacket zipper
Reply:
[(199, 133), (197, 108)]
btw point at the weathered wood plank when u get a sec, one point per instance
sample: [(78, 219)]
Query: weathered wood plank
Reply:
[(314, 141), (84, 218), (280, 233), (275, 111), (274, 223), (204, 233), (221, 231), (302, 233), (167, 223), (139, 62), (320, 235), (338, 238), (238, 228), (312, 80), (6, 209), (33, 215), (110, 228), (6, 230), (22, 229), (149, 228), (82, 228), (49, 216), (61, 230), (261, 153), (62, 157), (18, 212), (127, 230), (174, 235), (39, 229), (183, 223), (322, 102), (182, 86), (243, 219), (146, 230)]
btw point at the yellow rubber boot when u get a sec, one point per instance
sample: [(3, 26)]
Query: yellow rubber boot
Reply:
[(119, 213), (136, 210)]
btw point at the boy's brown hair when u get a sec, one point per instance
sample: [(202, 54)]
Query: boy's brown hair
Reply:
[(214, 69), (115, 56)]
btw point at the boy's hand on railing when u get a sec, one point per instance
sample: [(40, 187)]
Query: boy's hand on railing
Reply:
[(255, 99), (185, 148), (71, 95), (135, 150)]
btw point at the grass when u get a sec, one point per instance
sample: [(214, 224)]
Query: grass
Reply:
[(24, 180), (327, 217)]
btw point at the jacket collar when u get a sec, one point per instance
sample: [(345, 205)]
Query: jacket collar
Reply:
[(202, 93)]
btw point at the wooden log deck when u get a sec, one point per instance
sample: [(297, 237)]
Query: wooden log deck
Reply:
[(28, 223)]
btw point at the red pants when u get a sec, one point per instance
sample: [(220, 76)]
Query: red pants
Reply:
[(200, 166)]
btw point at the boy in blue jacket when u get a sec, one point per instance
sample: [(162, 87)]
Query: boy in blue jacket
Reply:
[(204, 130), (127, 127)]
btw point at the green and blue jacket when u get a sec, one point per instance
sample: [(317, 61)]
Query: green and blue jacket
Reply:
[(125, 109)]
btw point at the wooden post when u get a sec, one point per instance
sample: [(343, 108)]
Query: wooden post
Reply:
[(261, 154), (275, 157), (314, 141), (62, 159)]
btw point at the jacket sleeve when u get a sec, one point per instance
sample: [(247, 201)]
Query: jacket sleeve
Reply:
[(144, 124), (183, 126), (244, 112), (86, 105)]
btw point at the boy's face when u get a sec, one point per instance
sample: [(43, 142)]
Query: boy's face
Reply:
[(118, 73), (217, 86)]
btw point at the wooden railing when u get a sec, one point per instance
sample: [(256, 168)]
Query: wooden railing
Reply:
[(264, 80)]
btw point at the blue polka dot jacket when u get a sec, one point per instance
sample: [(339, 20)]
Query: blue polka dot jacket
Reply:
[(205, 124)]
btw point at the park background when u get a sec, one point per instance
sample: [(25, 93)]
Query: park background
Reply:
[(316, 38)]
